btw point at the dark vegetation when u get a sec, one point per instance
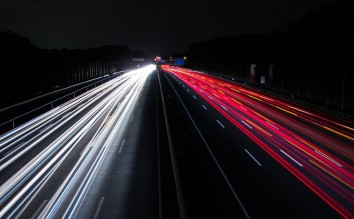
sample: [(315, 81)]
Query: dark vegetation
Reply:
[(28, 71), (312, 60)]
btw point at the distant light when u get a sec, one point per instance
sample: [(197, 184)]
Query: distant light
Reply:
[(185, 58)]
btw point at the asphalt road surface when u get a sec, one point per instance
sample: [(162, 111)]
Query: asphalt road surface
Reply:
[(278, 160), (91, 157)]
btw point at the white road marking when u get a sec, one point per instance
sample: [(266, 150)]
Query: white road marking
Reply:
[(131, 120), (204, 107), (271, 124), (220, 123), (121, 146), (99, 208), (223, 107), (328, 158), (243, 108), (211, 153), (253, 158), (39, 209), (291, 158), (246, 124)]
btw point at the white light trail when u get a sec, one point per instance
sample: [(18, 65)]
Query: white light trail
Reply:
[(104, 101)]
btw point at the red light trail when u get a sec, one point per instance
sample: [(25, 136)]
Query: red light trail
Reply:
[(316, 148)]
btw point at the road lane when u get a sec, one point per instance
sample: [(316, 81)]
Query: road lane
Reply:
[(63, 169), (280, 143)]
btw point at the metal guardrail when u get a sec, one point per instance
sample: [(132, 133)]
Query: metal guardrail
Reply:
[(325, 109), (51, 103), (177, 180)]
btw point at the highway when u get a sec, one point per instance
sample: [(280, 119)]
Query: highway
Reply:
[(278, 159), (84, 158), (240, 154)]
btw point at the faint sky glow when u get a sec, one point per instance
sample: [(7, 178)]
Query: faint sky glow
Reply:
[(155, 26)]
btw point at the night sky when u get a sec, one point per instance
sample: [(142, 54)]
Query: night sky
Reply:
[(156, 27)]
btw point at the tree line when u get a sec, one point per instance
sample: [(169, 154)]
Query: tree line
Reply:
[(311, 60), (28, 71)]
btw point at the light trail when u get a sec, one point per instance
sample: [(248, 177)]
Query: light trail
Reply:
[(107, 107), (315, 147)]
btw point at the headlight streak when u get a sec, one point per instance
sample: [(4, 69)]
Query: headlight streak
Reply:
[(57, 200), (19, 134), (326, 174), (54, 112), (26, 200), (46, 135), (62, 109), (25, 183), (89, 177), (24, 127), (12, 181)]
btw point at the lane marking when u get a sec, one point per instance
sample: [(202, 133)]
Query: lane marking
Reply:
[(259, 128), (271, 124), (220, 123), (223, 107), (204, 107), (291, 158), (137, 104), (328, 158), (253, 158), (212, 155), (187, 90), (99, 208), (39, 209), (246, 124), (243, 108), (121, 146), (131, 120), (194, 97)]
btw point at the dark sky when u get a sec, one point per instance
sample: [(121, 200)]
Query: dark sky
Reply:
[(156, 27)]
